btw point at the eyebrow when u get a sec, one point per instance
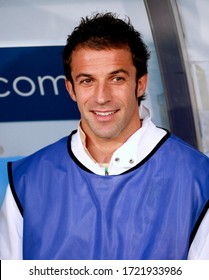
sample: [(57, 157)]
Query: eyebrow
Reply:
[(121, 70), (82, 75)]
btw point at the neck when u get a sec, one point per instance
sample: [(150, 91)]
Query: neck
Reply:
[(102, 150)]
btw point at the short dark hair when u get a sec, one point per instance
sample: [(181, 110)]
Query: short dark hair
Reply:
[(105, 31)]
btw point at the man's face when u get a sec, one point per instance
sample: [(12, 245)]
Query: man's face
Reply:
[(106, 91)]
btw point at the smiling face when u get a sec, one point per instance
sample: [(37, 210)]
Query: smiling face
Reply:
[(106, 91)]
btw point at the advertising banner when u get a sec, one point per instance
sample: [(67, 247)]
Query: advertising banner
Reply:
[(32, 85)]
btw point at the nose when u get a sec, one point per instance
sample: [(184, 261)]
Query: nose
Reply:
[(103, 93)]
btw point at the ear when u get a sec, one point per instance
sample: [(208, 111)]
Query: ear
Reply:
[(70, 90), (142, 84)]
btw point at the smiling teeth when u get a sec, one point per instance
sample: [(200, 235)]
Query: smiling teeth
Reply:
[(104, 113)]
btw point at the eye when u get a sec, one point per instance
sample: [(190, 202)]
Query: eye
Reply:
[(86, 81), (118, 79)]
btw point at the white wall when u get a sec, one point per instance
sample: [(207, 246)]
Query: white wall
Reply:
[(195, 24)]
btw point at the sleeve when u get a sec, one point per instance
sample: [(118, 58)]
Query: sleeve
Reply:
[(199, 249), (11, 229)]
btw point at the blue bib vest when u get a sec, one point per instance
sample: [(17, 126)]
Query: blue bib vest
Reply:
[(148, 212)]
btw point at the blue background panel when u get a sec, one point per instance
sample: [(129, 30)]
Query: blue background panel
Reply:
[(22, 96)]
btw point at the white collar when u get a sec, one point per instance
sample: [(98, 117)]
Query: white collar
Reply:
[(127, 155), (133, 151)]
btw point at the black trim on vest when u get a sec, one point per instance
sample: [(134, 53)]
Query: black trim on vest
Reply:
[(11, 183), (74, 158), (159, 144), (198, 222)]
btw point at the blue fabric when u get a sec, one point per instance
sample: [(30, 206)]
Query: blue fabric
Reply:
[(146, 213), (4, 176)]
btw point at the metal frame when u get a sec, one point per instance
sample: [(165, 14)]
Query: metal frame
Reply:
[(173, 69)]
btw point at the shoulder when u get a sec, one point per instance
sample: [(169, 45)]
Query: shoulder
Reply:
[(37, 170), (51, 153), (178, 146), (184, 160)]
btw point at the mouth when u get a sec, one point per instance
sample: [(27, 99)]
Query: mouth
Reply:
[(104, 114)]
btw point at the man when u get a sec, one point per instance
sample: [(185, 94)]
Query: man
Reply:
[(118, 187)]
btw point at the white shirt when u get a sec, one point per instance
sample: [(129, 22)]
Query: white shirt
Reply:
[(133, 151), (199, 249)]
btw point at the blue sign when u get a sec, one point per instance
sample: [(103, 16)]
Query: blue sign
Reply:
[(32, 85)]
